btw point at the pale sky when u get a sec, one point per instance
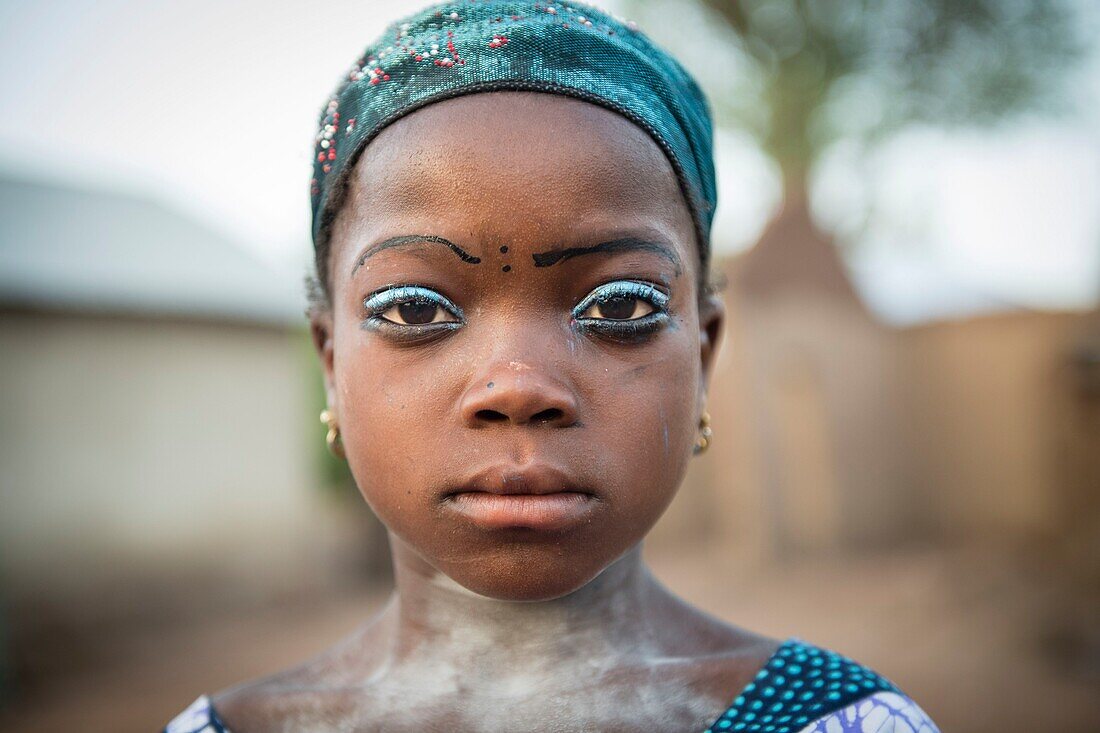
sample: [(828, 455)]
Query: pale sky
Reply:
[(211, 106)]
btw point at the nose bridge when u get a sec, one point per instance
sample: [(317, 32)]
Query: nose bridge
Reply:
[(520, 381)]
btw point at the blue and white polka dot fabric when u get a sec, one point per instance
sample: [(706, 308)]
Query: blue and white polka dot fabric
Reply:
[(806, 689)]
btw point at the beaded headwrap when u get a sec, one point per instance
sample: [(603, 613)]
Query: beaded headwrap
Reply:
[(562, 47)]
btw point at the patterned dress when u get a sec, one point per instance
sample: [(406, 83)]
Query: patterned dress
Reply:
[(802, 688)]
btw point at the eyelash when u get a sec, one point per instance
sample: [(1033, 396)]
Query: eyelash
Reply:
[(625, 329), (382, 300)]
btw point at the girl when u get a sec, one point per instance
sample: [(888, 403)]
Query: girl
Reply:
[(511, 215)]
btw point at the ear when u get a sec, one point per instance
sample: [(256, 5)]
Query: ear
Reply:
[(712, 318), (320, 330)]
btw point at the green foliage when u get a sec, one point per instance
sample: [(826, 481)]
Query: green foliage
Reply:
[(801, 73)]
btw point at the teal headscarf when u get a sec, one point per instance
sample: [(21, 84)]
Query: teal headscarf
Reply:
[(562, 47)]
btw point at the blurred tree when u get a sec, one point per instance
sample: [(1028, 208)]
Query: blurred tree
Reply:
[(800, 74)]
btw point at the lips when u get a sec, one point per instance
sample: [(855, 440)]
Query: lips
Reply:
[(537, 479), (536, 497)]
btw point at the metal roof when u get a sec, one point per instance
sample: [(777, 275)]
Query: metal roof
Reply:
[(63, 247)]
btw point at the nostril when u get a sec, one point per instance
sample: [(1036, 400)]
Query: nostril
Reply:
[(490, 416), (552, 414)]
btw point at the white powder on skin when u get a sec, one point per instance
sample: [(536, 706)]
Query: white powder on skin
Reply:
[(440, 657)]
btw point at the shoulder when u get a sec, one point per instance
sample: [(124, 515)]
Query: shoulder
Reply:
[(805, 688), (199, 717), (264, 703), (255, 706), (292, 699)]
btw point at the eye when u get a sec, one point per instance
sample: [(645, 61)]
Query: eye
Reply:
[(411, 307), (418, 313), (619, 308), (623, 310), (622, 300)]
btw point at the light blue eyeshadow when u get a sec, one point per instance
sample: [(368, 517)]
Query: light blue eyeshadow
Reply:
[(382, 300), (623, 289)]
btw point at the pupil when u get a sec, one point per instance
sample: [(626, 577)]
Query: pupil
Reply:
[(417, 313), (618, 309)]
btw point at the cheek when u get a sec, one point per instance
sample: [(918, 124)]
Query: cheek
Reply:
[(646, 423), (394, 414)]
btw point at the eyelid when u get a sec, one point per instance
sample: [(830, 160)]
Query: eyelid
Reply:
[(385, 298), (620, 288)]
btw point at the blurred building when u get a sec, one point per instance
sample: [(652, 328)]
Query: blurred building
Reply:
[(156, 392), (835, 430)]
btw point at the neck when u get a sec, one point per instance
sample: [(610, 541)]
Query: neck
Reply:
[(613, 618)]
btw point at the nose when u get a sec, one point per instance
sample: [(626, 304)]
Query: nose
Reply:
[(520, 394)]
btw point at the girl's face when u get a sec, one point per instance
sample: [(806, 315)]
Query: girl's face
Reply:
[(517, 349)]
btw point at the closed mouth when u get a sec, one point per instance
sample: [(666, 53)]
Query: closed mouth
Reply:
[(546, 512), (530, 479), (537, 497)]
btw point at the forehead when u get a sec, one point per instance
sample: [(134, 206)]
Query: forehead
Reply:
[(515, 166)]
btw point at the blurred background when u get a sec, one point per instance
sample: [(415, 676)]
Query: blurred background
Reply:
[(906, 461)]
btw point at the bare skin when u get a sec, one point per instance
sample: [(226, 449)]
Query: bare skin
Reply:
[(519, 434)]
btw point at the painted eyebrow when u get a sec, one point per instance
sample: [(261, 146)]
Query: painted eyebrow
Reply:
[(404, 239), (625, 244)]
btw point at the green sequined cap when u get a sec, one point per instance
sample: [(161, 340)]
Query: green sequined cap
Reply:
[(562, 47)]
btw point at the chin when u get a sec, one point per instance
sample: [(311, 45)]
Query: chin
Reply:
[(528, 575)]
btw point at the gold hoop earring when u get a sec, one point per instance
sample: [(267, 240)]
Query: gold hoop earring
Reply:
[(332, 440), (703, 441)]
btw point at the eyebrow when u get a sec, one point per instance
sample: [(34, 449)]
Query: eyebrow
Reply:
[(625, 244), (405, 239)]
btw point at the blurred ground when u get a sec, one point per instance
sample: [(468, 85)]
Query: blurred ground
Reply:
[(961, 631)]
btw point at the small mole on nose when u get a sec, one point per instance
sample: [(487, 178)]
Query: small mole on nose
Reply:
[(506, 268), (504, 250), (489, 385)]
